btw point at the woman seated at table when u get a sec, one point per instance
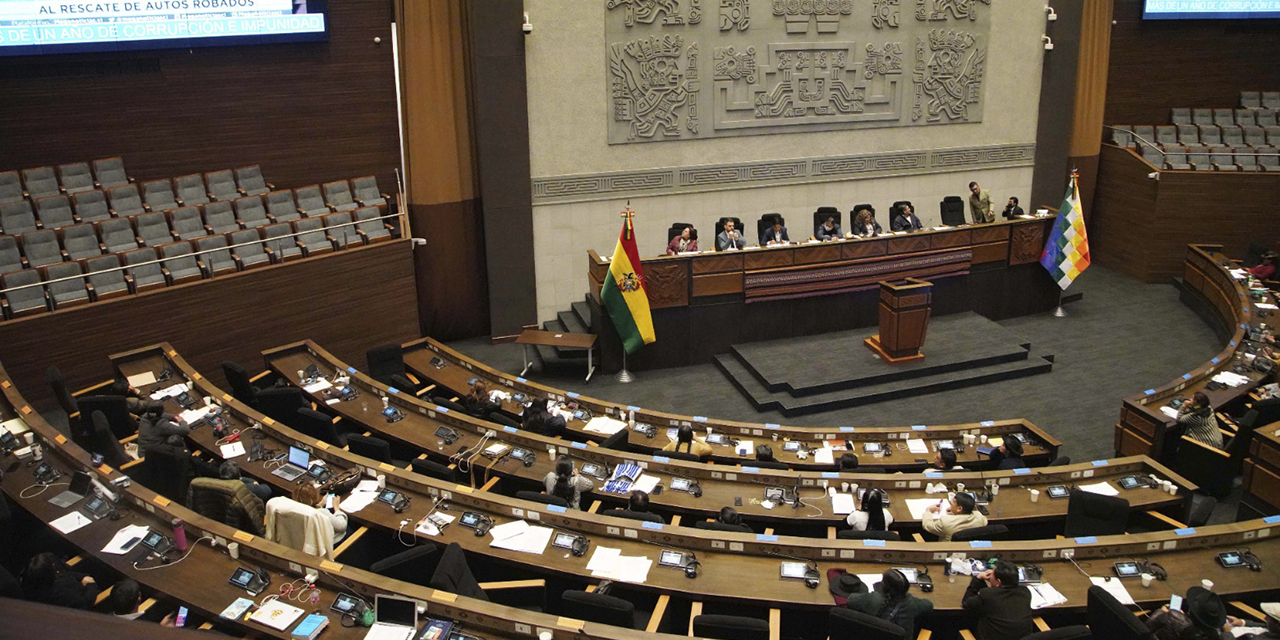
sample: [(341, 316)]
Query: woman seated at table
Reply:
[(872, 515), (565, 483), (1198, 422), (686, 241), (477, 402), (307, 496), (865, 225), (537, 419), (685, 442)]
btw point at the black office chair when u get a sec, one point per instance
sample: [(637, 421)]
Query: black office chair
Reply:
[(897, 206), (282, 403), (58, 384), (1197, 462), (847, 624), (617, 441), (722, 627), (634, 515), (318, 426), (386, 365), (852, 534), (715, 525), (449, 404), (820, 217), (114, 408), (105, 442), (952, 211), (676, 228), (681, 455), (989, 532), (1074, 632), (166, 470), (453, 575), (1111, 620), (372, 448), (769, 464), (534, 496), (602, 609), (1060, 461), (503, 419), (765, 222), (1090, 514), (242, 387), (433, 469), (410, 566)]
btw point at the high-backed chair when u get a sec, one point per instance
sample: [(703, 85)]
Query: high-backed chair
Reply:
[(191, 190), (222, 185), (103, 441), (433, 469), (91, 206), (318, 426), (634, 515), (187, 224), (229, 502), (599, 608), (414, 565), (69, 292), (180, 264), (62, 393), (125, 201), (312, 238), (11, 187), (847, 624), (110, 172), (219, 218), (951, 209), (142, 271), (851, 534), (311, 201), (765, 222), (117, 235), (386, 365), (365, 191), (55, 212), (10, 255), (80, 241), (280, 242), (41, 248), (115, 409), (153, 229), (337, 195), (341, 231), (1111, 620), (248, 251), (242, 387), (371, 447), (281, 206), (542, 498), (1202, 465), (724, 627), (17, 218), (106, 280), (715, 525), (251, 212), (22, 298), (281, 403), (158, 195), (215, 258), (250, 181), (820, 217), (1091, 514), (989, 532), (41, 182)]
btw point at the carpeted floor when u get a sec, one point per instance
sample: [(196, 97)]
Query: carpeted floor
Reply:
[(1123, 337)]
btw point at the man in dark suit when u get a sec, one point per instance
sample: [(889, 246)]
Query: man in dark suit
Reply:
[(905, 220), (1012, 210), (1009, 455), (1002, 605), (730, 238), (776, 234)]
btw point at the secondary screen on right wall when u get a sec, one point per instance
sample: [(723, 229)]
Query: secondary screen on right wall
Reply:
[(1210, 9)]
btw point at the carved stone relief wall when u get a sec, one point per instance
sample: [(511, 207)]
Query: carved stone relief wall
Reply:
[(787, 66)]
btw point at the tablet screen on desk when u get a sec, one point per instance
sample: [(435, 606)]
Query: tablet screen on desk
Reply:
[(872, 447), (564, 540), (794, 570), (470, 519), (945, 444), (1230, 559), (1058, 491), (671, 558), (1127, 569), (679, 484), (242, 577), (388, 496), (791, 445), (1131, 482), (716, 438), (909, 573)]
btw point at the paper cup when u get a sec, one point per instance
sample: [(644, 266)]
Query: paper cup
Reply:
[(1173, 489), (959, 487), (233, 550), (1035, 495), (1207, 584), (844, 487), (982, 438), (995, 489), (1146, 579)]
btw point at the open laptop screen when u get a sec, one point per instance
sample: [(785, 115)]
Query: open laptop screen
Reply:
[(397, 611), (299, 457)]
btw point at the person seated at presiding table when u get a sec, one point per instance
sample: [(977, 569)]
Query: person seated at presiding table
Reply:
[(730, 238), (48, 580), (154, 426), (1198, 422), (945, 460), (683, 242), (1202, 617), (1009, 454), (565, 483), (1266, 269), (960, 515), (829, 230), (687, 443), (865, 225), (303, 521), (1012, 210), (776, 234), (477, 402), (871, 515), (537, 419), (1002, 605), (889, 601), (905, 220)]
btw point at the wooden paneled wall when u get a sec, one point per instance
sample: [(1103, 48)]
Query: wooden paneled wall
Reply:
[(307, 112), (348, 302), (1158, 64)]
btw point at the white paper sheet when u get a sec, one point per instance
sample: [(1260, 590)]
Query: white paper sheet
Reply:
[(917, 506), (744, 448), (429, 528), (70, 522), (532, 540), (141, 379), (824, 455), (917, 445), (358, 500), (1044, 595), (1169, 411), (605, 425), (318, 386), (1101, 488), (233, 450), (645, 483), (131, 534), (869, 579), (842, 503), (166, 392), (191, 416), (508, 530), (1115, 587)]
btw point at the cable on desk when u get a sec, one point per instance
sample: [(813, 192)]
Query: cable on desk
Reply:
[(23, 494), (464, 457), (170, 564)]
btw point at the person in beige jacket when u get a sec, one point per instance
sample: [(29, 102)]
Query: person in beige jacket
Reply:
[(959, 517)]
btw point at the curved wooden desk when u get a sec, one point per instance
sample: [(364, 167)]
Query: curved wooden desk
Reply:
[(459, 370)]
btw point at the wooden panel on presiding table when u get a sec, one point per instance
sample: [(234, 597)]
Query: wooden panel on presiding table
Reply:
[(724, 261), (1027, 243), (984, 253), (989, 233), (865, 248), (953, 239), (766, 258), (908, 244), (667, 283), (818, 253), (717, 284)]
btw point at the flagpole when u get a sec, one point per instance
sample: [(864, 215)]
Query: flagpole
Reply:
[(624, 376), (1060, 312)]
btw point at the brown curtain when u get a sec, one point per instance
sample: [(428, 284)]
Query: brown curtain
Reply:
[(452, 287), (1091, 92)]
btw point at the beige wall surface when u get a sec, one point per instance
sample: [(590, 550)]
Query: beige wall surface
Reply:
[(570, 111)]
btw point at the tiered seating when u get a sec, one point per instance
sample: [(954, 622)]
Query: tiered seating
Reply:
[(1241, 139), (77, 215)]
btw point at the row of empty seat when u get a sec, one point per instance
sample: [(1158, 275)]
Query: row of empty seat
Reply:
[(1213, 158), (41, 182), (1241, 139), (1191, 135), (52, 212), (1260, 99), (52, 280)]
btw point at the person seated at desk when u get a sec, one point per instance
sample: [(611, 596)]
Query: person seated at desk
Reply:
[(829, 230), (960, 516), (1272, 622), (1266, 269), (477, 402), (683, 242), (565, 483), (1202, 617), (1008, 455), (537, 419), (638, 502), (1012, 210), (776, 234), (229, 470), (730, 238), (1002, 605), (945, 460), (730, 516), (306, 501), (905, 220), (48, 580), (1198, 422), (871, 515), (865, 225), (686, 442), (154, 426), (124, 599), (848, 462), (133, 399), (889, 601)]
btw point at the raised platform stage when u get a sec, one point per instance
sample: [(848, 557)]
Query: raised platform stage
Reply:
[(818, 373)]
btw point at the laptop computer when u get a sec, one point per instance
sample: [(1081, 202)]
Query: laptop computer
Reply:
[(394, 618), (294, 466), (79, 487)]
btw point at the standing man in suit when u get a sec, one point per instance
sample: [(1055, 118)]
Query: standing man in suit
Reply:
[(1012, 210), (980, 204), (905, 220), (730, 238), (776, 234), (1002, 605)]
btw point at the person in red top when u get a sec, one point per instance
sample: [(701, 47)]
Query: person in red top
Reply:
[(1266, 269), (683, 242)]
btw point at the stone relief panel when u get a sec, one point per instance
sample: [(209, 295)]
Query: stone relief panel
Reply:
[(799, 65)]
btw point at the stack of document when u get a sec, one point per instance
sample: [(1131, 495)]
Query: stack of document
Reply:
[(125, 539), (519, 535), (191, 416), (319, 385), (1230, 378), (842, 503), (1114, 587), (623, 476), (177, 389), (825, 455), (605, 425), (360, 497), (917, 445), (1044, 595), (610, 564), (917, 506), (1103, 488)]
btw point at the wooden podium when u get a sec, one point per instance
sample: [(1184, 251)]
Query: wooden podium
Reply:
[(904, 317)]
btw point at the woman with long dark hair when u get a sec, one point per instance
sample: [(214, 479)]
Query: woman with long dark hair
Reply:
[(871, 516), (565, 483), (890, 602)]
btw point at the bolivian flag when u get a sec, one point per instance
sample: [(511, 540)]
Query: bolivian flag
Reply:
[(623, 293), (1066, 253)]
